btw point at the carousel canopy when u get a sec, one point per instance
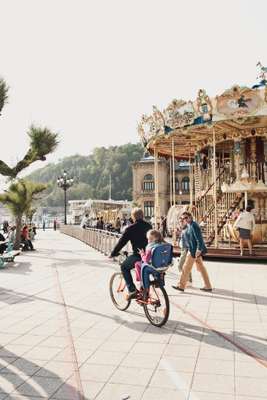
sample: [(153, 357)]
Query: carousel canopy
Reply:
[(237, 113)]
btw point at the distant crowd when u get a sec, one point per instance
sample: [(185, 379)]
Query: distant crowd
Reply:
[(8, 237), (120, 224)]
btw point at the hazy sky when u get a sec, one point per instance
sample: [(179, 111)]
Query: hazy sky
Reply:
[(89, 69)]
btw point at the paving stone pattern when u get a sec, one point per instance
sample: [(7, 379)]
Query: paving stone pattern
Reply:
[(62, 339)]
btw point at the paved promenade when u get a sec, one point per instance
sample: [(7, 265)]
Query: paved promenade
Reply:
[(61, 338)]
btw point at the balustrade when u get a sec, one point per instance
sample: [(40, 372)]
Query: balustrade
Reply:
[(103, 241)]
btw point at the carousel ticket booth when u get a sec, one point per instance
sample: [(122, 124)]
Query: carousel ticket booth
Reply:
[(225, 141)]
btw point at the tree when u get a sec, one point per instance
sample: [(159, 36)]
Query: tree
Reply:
[(42, 142), (3, 94), (19, 199)]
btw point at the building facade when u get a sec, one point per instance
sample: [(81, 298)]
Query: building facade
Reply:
[(144, 185)]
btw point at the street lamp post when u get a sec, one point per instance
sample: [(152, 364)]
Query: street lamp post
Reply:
[(64, 182)]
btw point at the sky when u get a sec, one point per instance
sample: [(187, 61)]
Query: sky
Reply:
[(88, 69)]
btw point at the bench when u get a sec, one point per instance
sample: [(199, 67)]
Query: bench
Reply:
[(8, 257)]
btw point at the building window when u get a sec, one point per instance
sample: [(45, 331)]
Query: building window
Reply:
[(185, 184), (148, 183), (176, 185), (148, 209)]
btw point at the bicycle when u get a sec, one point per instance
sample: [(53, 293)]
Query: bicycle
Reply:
[(156, 306)]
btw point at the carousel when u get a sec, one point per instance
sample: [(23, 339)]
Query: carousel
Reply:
[(224, 140)]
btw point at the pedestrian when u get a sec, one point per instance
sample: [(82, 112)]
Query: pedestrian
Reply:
[(118, 225), (245, 224), (25, 238), (163, 226), (136, 234), (184, 246), (196, 249), (55, 224), (43, 225), (85, 222)]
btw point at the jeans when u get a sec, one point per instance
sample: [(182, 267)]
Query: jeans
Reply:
[(126, 267), (146, 272)]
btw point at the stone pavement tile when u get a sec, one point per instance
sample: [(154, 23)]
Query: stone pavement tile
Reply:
[(28, 340), (22, 367), (220, 367), (56, 369), (8, 338), (174, 380), (68, 391), (148, 348), (183, 339), (110, 345), (9, 382), (214, 383), (106, 358), (53, 341), (182, 364), (181, 351), (66, 355), (39, 386), (155, 338), (91, 389), (251, 387), (5, 361), (42, 353), (163, 394), (3, 395), (216, 353), (250, 369), (133, 376), (96, 372), (141, 360), (248, 398), (13, 350), (119, 391), (92, 344), (210, 396)]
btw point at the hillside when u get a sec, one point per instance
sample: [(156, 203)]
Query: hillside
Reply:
[(92, 174)]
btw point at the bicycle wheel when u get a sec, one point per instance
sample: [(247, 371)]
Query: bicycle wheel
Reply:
[(118, 292), (157, 308)]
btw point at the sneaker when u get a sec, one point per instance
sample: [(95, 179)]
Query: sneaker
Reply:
[(178, 288), (132, 295), (204, 289)]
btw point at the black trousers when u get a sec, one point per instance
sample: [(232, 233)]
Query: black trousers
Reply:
[(126, 267)]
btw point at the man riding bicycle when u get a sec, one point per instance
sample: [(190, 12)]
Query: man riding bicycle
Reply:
[(136, 234)]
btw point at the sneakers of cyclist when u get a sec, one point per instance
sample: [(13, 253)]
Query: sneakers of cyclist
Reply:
[(132, 295)]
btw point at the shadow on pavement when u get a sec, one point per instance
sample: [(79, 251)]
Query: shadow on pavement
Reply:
[(26, 378)]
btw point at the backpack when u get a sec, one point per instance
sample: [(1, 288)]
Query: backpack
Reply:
[(161, 255)]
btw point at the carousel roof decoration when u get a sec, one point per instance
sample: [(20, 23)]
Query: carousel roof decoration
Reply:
[(231, 115)]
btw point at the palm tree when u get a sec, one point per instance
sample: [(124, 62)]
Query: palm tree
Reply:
[(42, 142), (19, 198), (3, 94)]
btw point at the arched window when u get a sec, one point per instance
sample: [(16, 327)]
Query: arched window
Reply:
[(177, 186), (185, 184), (148, 209), (148, 183)]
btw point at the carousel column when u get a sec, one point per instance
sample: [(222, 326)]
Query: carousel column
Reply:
[(173, 173), (253, 157), (215, 190), (190, 182), (171, 182), (237, 151), (156, 174)]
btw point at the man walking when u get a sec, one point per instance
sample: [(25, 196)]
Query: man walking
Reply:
[(136, 234), (196, 249)]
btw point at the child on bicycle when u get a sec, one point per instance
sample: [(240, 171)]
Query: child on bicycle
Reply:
[(142, 268)]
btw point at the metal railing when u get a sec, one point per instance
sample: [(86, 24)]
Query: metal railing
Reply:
[(101, 240)]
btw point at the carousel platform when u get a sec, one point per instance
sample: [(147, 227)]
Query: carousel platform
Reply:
[(233, 253)]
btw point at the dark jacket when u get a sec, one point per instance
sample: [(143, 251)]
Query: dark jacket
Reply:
[(136, 234), (195, 239)]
